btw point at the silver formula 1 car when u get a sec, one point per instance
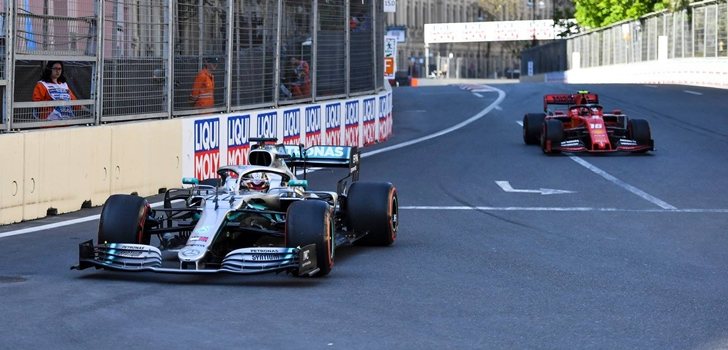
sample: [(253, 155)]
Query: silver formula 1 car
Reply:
[(252, 219)]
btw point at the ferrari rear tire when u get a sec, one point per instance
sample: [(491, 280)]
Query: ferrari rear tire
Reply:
[(310, 222), (532, 127), (122, 220), (372, 210), (552, 135)]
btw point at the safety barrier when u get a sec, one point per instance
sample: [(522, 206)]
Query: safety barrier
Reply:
[(59, 170)]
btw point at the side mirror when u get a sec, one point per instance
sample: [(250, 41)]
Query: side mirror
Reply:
[(190, 181)]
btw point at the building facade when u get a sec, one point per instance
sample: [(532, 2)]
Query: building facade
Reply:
[(464, 60)]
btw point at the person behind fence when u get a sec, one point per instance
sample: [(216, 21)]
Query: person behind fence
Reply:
[(203, 89), (301, 86), (52, 86)]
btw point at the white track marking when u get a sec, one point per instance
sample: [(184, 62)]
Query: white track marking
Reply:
[(565, 209), (644, 195), (477, 94), (652, 86), (499, 108), (692, 92), (506, 186), (520, 122), (481, 114), (60, 224)]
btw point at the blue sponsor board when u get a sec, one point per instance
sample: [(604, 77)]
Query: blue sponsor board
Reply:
[(333, 116), (267, 124), (207, 147), (333, 124), (382, 107), (207, 134), (369, 118), (238, 139), (352, 113), (313, 125), (292, 126), (369, 106)]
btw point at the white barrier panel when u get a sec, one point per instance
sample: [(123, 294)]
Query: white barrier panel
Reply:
[(63, 168), (209, 142), (708, 72), (11, 177), (145, 157)]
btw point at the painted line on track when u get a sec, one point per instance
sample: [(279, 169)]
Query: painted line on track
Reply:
[(693, 92), (481, 114), (477, 94), (60, 224), (642, 194), (520, 122), (564, 209)]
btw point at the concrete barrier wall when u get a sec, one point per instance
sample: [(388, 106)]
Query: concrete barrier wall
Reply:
[(63, 168), (708, 72)]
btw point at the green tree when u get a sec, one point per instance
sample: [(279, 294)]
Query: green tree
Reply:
[(600, 13)]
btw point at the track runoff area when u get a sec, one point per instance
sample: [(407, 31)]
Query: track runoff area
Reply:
[(477, 90)]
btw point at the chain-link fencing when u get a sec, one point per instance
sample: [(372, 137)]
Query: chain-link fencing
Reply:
[(132, 60)]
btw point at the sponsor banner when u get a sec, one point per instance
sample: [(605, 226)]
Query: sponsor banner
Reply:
[(207, 147), (332, 117), (313, 122), (267, 124), (369, 125), (351, 123), (382, 117), (292, 126), (238, 139)]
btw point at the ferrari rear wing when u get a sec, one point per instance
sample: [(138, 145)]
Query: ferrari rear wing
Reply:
[(581, 98)]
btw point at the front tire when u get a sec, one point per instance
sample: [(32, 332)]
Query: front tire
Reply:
[(639, 130), (551, 136), (122, 220), (307, 222), (532, 127), (372, 210)]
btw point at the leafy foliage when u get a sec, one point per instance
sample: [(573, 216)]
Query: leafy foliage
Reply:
[(600, 13)]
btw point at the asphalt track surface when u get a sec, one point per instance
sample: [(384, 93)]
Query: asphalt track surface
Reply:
[(635, 256)]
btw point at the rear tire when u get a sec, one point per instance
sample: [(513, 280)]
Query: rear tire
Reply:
[(308, 222), (372, 209), (122, 220), (532, 127), (553, 133)]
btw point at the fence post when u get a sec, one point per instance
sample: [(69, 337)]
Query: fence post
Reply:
[(10, 62), (314, 50), (98, 75), (229, 58), (277, 70), (347, 46)]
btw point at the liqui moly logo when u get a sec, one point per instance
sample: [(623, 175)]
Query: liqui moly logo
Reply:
[(267, 124), (207, 147), (292, 126), (333, 124), (238, 138), (351, 124), (313, 125), (384, 120), (369, 118)]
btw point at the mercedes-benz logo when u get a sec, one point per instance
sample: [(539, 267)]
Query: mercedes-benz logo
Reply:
[(190, 252)]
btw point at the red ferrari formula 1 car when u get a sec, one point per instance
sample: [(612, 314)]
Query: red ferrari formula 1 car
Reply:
[(583, 126)]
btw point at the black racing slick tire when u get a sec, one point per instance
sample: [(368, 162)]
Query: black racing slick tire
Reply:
[(122, 220), (552, 135), (639, 130), (310, 221), (532, 127), (372, 210)]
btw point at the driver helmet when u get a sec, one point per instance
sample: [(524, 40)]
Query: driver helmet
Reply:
[(256, 182)]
